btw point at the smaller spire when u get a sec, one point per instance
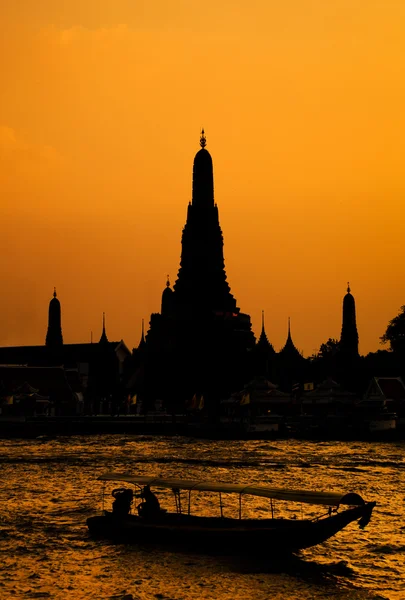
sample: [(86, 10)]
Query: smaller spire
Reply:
[(142, 343), (104, 335), (263, 342), (203, 139), (348, 287), (54, 292), (167, 282), (289, 349)]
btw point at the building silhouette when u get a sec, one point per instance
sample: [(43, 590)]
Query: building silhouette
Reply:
[(264, 356), (97, 371), (291, 364), (200, 341), (54, 337), (349, 337)]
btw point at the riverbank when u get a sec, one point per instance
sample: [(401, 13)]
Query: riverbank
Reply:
[(172, 425)]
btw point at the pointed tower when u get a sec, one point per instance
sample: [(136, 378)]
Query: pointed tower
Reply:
[(103, 338), (200, 340), (264, 355), (142, 343), (263, 342), (54, 338), (289, 350), (201, 286), (167, 299), (349, 338)]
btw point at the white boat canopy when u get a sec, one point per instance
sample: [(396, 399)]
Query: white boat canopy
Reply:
[(309, 497)]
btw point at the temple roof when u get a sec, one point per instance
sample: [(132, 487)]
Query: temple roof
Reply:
[(103, 338), (289, 348), (263, 342)]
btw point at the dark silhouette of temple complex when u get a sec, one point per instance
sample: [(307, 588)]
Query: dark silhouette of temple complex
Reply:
[(95, 371), (201, 336)]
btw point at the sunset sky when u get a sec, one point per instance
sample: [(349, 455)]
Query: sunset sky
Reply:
[(101, 106)]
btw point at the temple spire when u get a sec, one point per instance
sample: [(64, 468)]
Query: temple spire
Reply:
[(203, 177), (289, 348), (263, 342), (167, 298), (349, 337), (142, 343), (103, 337), (54, 334)]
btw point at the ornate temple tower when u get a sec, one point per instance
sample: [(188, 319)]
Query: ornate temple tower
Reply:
[(200, 340), (167, 299), (349, 338), (54, 338), (201, 286)]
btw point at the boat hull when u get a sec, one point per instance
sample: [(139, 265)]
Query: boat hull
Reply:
[(271, 536)]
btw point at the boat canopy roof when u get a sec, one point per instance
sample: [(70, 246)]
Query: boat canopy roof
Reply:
[(309, 497)]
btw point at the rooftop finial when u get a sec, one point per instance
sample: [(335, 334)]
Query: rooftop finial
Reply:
[(262, 320), (348, 287), (103, 335), (203, 139), (168, 281), (54, 292)]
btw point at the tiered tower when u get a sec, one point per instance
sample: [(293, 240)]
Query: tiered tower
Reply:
[(349, 338), (201, 286), (54, 339), (200, 338)]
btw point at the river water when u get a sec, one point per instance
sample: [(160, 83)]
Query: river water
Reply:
[(48, 488)]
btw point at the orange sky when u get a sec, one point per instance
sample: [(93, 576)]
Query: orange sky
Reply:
[(101, 103)]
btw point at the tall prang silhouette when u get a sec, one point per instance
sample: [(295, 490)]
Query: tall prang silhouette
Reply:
[(200, 326), (349, 338), (54, 339), (201, 283)]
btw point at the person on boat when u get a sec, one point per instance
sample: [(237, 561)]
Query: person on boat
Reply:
[(150, 506), (123, 500)]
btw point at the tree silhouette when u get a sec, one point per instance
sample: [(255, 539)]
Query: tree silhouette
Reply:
[(329, 349), (395, 333)]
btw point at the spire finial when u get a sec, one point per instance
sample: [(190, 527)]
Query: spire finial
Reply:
[(103, 335), (168, 281), (142, 328), (262, 320), (203, 139), (348, 287), (289, 327), (54, 292)]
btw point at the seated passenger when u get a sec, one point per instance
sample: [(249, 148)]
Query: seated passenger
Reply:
[(123, 500), (150, 506)]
